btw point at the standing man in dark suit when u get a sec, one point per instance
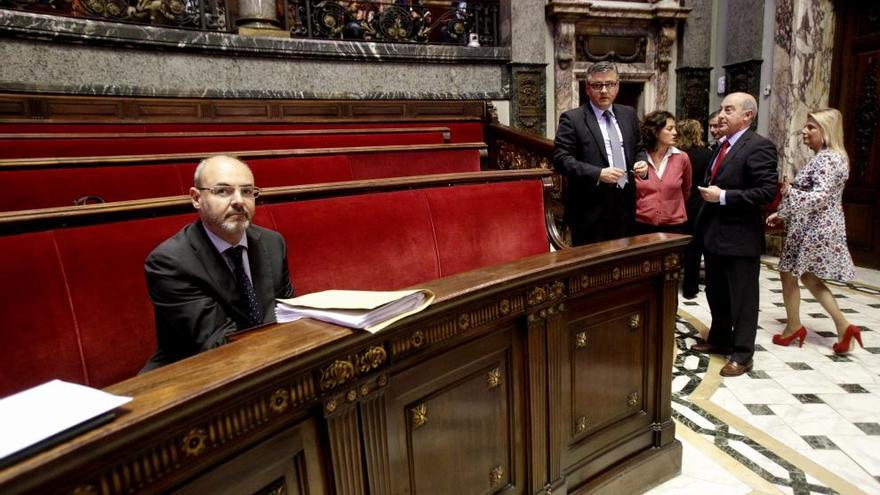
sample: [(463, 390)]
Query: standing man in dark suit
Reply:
[(597, 149), (219, 274), (741, 179)]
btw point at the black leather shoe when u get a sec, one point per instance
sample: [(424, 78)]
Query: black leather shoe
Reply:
[(732, 368), (707, 348)]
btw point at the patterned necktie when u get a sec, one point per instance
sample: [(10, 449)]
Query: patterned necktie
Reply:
[(245, 288), (716, 166), (617, 159)]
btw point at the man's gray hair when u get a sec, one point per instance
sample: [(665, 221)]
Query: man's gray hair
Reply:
[(601, 67), (197, 175)]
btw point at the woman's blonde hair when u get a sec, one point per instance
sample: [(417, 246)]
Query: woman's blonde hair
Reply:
[(690, 134), (831, 122)]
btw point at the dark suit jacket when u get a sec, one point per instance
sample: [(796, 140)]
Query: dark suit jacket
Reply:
[(748, 175), (579, 154), (195, 297), (699, 163)]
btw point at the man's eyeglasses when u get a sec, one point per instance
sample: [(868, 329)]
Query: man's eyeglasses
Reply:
[(609, 85), (249, 192)]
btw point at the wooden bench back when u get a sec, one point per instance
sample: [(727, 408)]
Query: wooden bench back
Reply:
[(61, 144), (54, 182)]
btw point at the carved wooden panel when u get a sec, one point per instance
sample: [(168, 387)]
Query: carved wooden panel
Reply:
[(455, 403), (114, 109), (608, 381), (288, 463), (856, 92)]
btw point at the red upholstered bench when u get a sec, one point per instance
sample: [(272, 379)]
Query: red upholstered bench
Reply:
[(460, 131), (43, 145), (75, 298), (52, 182)]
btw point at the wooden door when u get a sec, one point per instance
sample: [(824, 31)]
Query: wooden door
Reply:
[(855, 90)]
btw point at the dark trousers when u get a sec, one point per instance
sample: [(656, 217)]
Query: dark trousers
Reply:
[(615, 220), (690, 285), (732, 292)]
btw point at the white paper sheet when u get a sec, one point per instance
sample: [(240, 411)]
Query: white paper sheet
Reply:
[(38, 413)]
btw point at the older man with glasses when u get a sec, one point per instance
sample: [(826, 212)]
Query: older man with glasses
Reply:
[(219, 274), (598, 149)]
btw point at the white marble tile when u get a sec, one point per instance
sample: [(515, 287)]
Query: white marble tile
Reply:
[(700, 474), (724, 398), (756, 457), (805, 382), (776, 428), (852, 372), (841, 465), (693, 416), (814, 419), (863, 449), (857, 408), (750, 391)]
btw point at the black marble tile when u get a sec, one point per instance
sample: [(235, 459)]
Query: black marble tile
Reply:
[(875, 305), (820, 442), (809, 398), (759, 409), (869, 428), (873, 350), (759, 347), (854, 388), (799, 366), (779, 304), (690, 303), (782, 320), (827, 334), (817, 315), (849, 311), (808, 299), (839, 359), (758, 374), (776, 291), (774, 279)]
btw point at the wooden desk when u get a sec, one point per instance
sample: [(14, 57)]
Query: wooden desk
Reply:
[(550, 374)]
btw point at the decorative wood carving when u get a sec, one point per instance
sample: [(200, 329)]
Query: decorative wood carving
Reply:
[(866, 116), (418, 416), (527, 102), (26, 107)]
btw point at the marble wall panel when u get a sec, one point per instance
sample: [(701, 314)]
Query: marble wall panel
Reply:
[(744, 25), (82, 69), (802, 56), (528, 29), (696, 39)]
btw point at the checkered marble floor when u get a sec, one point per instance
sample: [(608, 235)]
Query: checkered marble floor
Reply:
[(802, 421)]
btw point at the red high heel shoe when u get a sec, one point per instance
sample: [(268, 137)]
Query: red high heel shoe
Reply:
[(800, 335), (852, 332)]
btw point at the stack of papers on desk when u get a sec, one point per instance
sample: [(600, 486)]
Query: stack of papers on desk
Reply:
[(47, 414), (370, 310)]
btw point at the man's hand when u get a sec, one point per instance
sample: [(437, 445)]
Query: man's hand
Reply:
[(610, 175), (640, 168), (711, 194)]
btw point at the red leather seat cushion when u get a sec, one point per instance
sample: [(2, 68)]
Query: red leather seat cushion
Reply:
[(375, 241), (485, 224), (39, 335), (105, 271)]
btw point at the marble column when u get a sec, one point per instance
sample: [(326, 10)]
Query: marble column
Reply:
[(565, 84), (258, 17), (802, 56)]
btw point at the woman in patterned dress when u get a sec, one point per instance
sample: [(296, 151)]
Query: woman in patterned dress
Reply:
[(815, 239)]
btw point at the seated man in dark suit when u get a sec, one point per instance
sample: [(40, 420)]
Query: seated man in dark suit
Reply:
[(220, 273)]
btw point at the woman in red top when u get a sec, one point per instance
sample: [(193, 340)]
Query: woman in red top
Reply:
[(664, 186)]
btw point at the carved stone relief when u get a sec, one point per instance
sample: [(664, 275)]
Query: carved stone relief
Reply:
[(527, 105)]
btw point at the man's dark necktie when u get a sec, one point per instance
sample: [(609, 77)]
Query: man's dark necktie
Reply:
[(719, 160), (617, 159), (252, 308)]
